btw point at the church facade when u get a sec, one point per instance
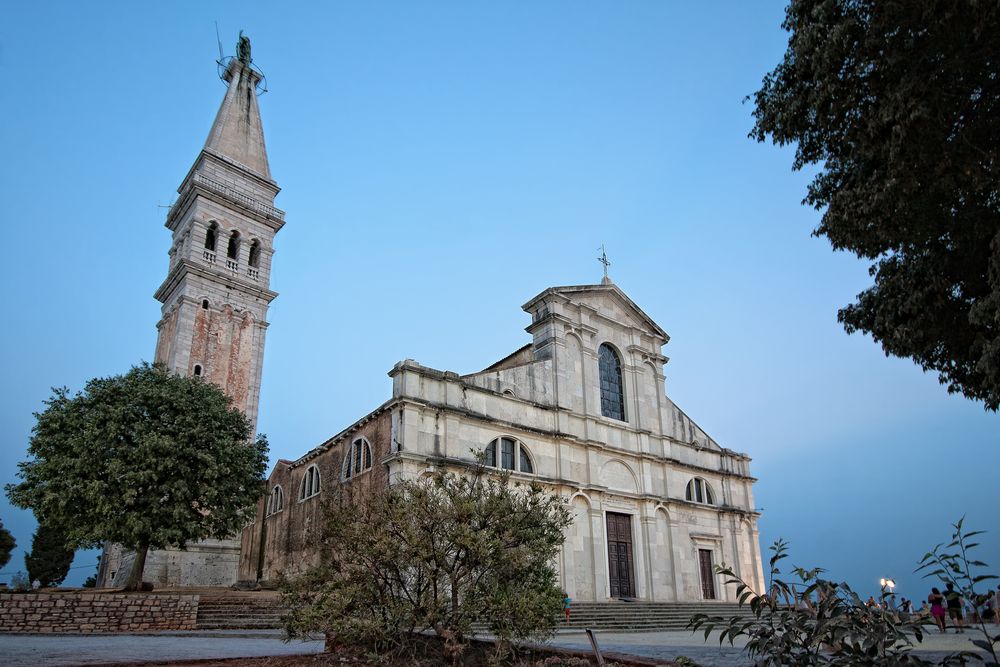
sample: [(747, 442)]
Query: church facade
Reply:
[(582, 409)]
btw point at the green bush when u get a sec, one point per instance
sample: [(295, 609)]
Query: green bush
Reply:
[(20, 583), (952, 564), (813, 621), (436, 555)]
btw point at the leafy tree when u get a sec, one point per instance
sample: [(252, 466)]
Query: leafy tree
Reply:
[(434, 555), (7, 544), (899, 105), (147, 459), (50, 558), (90, 582)]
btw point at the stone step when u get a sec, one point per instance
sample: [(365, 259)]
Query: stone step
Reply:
[(271, 612), (222, 617), (213, 616), (219, 612)]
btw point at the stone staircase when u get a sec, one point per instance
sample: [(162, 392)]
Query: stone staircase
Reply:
[(242, 611), (620, 616), (258, 611)]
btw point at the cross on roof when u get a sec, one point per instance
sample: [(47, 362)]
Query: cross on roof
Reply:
[(603, 259)]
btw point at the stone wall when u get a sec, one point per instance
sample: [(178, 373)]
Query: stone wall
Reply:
[(286, 542), (95, 612)]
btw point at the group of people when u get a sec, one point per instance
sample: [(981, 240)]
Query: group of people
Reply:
[(951, 604)]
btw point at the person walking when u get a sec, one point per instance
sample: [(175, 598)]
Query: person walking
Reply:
[(954, 601), (567, 605), (936, 601), (989, 608)]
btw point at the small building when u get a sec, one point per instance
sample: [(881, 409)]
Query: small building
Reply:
[(582, 408)]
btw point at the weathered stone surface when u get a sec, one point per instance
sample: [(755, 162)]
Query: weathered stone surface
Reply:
[(284, 541), (214, 312), (547, 397), (96, 612)]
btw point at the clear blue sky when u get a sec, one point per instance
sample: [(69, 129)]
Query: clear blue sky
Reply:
[(442, 163)]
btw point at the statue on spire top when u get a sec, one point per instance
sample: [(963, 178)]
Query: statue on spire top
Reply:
[(243, 49)]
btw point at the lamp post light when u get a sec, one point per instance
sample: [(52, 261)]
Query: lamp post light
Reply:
[(888, 585)]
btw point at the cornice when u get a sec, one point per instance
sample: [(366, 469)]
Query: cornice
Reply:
[(467, 464), (444, 376), (645, 354), (333, 441), (514, 427), (186, 266)]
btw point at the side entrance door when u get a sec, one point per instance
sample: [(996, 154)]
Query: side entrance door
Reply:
[(707, 574), (620, 555)]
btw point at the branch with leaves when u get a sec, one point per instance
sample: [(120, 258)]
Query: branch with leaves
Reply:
[(810, 620), (952, 564)]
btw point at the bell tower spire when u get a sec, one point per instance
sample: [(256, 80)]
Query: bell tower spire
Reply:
[(237, 133), (216, 293)]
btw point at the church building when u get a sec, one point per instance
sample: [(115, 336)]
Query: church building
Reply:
[(581, 409), (656, 503)]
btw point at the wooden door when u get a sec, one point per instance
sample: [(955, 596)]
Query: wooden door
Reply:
[(620, 555), (707, 574)]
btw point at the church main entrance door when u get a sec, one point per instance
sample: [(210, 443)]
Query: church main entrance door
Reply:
[(620, 555), (707, 574)]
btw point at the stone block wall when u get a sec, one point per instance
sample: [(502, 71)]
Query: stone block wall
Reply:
[(287, 541), (95, 612)]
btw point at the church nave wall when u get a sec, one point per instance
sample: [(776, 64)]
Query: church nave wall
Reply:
[(286, 541)]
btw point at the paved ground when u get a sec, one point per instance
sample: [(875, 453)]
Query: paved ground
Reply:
[(60, 650), (670, 645), (37, 650)]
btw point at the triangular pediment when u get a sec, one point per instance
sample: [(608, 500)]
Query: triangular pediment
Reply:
[(607, 299)]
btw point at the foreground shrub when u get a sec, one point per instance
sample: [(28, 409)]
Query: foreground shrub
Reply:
[(814, 621), (952, 564), (434, 555)]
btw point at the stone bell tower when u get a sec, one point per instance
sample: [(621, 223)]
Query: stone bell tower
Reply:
[(215, 296)]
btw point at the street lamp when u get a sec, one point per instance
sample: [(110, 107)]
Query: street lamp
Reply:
[(887, 585)]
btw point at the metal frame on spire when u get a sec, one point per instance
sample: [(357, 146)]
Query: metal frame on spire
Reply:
[(243, 55)]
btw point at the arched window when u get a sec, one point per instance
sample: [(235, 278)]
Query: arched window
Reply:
[(358, 458), (310, 483), (233, 251), (699, 492), (254, 259), (197, 370), (204, 304), (210, 236), (276, 502), (503, 452), (612, 396)]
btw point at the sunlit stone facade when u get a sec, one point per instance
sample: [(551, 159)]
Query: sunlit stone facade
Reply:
[(655, 501)]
